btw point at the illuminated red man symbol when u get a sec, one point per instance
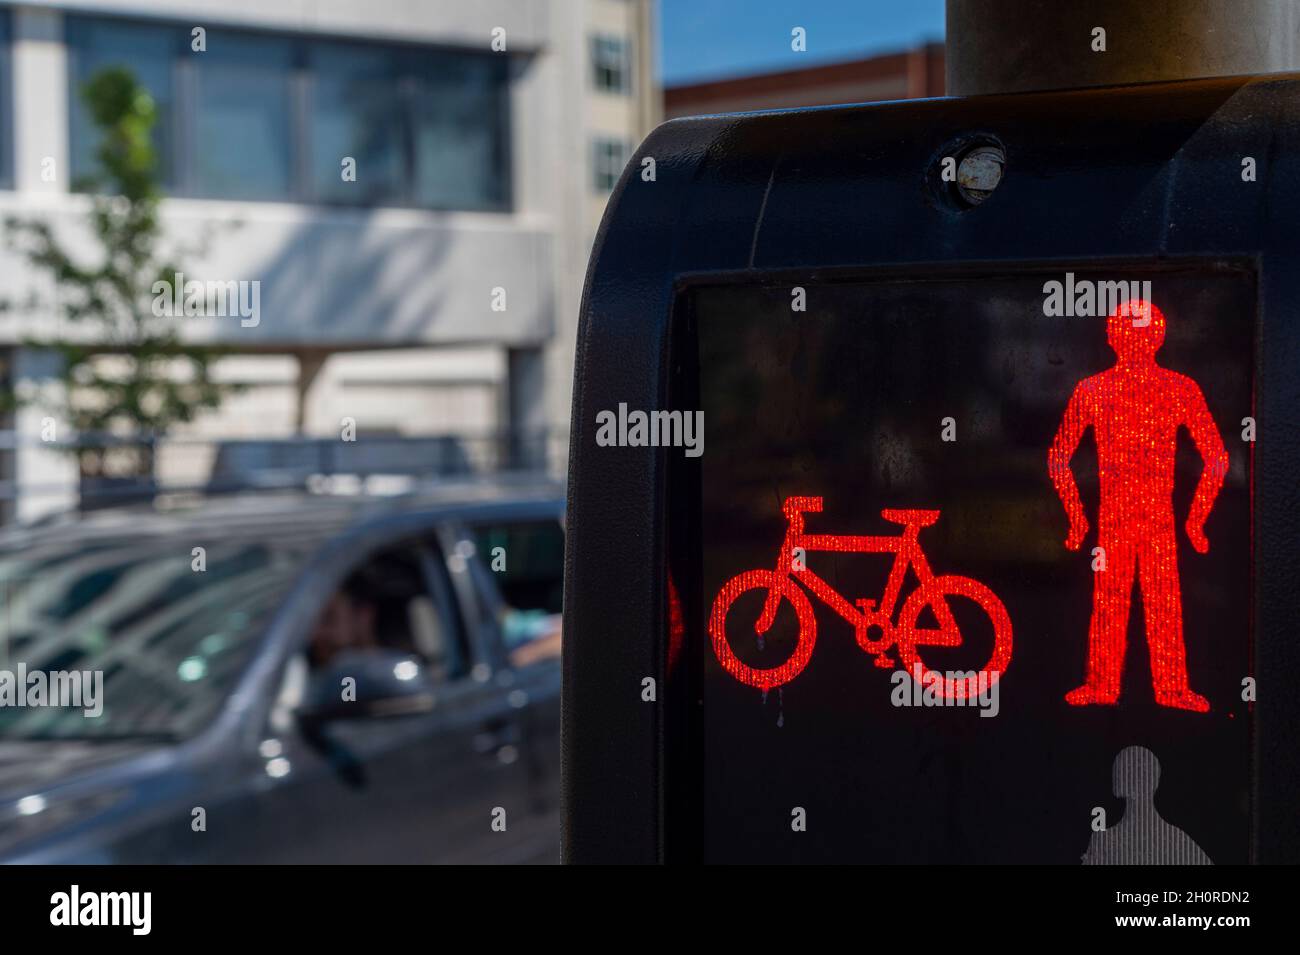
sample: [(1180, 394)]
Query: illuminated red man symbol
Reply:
[(1135, 409)]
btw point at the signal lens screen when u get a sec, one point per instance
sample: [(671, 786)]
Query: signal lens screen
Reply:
[(974, 568)]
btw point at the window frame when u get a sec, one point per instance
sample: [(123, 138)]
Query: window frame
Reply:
[(604, 43), (599, 155)]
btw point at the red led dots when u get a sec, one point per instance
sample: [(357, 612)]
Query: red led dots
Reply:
[(1135, 409), (866, 616)]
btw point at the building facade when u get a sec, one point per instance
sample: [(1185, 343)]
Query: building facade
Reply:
[(412, 185), (908, 74)]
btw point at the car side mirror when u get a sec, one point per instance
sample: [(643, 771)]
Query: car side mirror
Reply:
[(366, 685)]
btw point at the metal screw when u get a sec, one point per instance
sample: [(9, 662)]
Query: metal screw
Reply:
[(979, 173)]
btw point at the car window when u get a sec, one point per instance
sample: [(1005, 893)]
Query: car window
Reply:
[(165, 632), (525, 561), (393, 602)]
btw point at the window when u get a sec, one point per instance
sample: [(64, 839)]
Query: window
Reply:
[(242, 126), (171, 644), (530, 571), (458, 132), (150, 53), (261, 116), (387, 603), (609, 156), (611, 64), (357, 111), (525, 561)]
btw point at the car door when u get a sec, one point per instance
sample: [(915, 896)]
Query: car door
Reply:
[(445, 785), (516, 565)]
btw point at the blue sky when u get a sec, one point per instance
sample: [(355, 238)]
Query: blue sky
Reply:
[(708, 39)]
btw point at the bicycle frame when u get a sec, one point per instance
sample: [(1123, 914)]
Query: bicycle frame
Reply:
[(905, 546), (901, 638)]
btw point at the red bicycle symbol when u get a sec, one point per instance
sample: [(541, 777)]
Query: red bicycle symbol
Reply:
[(906, 635)]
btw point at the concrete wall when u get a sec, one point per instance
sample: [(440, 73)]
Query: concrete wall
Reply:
[(332, 277)]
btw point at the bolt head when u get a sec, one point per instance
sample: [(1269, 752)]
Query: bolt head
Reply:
[(979, 173)]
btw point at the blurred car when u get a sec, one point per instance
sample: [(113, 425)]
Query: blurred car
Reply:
[(290, 678)]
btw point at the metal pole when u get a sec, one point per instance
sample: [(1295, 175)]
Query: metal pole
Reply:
[(1010, 46)]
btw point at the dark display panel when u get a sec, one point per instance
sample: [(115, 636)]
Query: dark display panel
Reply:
[(941, 401)]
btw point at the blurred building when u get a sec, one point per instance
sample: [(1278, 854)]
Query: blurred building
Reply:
[(612, 101), (909, 74), (437, 291)]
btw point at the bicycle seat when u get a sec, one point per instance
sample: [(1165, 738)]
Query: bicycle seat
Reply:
[(906, 517)]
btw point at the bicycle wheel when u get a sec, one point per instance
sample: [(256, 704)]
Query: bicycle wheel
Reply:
[(910, 636), (769, 677)]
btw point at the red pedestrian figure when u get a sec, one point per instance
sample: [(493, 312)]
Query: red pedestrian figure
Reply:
[(1135, 409)]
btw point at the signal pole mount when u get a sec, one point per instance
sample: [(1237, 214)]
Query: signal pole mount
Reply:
[(1015, 46)]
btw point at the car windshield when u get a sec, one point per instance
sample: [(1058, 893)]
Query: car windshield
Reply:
[(169, 628)]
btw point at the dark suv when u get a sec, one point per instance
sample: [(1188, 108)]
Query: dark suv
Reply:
[(288, 678)]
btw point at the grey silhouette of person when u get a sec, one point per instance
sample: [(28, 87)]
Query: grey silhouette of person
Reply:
[(1141, 837)]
